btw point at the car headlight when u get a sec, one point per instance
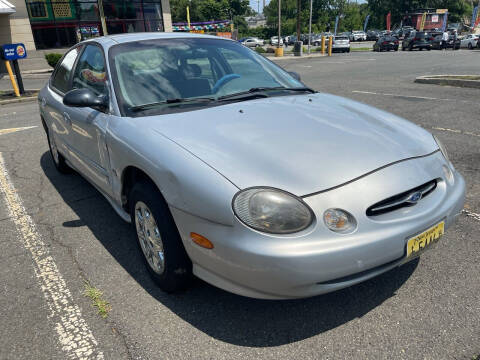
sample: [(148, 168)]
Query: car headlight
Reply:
[(442, 148), (272, 211)]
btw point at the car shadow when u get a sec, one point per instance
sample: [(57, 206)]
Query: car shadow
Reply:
[(224, 316)]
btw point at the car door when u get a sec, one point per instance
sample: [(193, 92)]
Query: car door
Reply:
[(51, 100), (86, 141)]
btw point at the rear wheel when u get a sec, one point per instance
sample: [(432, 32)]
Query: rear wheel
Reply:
[(470, 47), (158, 238), (58, 159)]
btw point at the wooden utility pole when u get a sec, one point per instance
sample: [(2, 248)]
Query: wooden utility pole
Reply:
[(299, 3)]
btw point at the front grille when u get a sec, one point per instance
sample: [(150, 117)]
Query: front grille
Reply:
[(405, 199)]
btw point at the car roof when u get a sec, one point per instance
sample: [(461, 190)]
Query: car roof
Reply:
[(124, 38)]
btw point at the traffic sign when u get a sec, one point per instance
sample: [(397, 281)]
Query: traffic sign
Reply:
[(13, 51)]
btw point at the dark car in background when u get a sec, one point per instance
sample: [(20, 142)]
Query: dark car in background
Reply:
[(373, 35), (452, 43), (386, 43), (402, 33), (417, 40)]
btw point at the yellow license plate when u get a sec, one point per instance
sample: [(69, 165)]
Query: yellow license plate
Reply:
[(428, 237)]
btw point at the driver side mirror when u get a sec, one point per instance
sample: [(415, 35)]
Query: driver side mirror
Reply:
[(85, 98), (295, 75)]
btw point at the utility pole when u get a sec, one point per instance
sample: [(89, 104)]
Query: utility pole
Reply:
[(310, 27), (299, 3), (279, 22)]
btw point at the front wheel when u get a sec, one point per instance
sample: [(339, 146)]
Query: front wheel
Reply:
[(58, 159), (470, 47), (158, 238)]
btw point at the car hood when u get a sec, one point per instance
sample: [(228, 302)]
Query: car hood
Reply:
[(301, 143)]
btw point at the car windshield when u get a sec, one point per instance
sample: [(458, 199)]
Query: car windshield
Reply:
[(183, 70)]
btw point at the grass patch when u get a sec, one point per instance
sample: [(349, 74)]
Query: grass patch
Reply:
[(95, 295), (361, 49)]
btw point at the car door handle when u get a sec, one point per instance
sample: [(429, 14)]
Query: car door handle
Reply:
[(67, 119)]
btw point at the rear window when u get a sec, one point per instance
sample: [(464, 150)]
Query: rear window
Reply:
[(420, 35), (341, 38)]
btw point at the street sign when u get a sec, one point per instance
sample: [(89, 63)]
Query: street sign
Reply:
[(441, 11), (13, 51)]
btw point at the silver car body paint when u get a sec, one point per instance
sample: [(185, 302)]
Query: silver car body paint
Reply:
[(333, 152)]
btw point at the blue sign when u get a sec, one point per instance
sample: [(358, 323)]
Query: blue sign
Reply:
[(13, 51), (366, 23)]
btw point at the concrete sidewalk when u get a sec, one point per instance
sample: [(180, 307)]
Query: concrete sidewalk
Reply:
[(35, 62)]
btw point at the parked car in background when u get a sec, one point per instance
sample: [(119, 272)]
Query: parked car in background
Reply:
[(231, 169), (417, 40), (348, 34), (470, 41), (274, 41), (452, 43), (402, 32), (359, 35), (373, 35), (340, 44), (386, 43), (253, 42)]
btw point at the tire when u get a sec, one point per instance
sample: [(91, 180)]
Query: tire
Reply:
[(403, 48), (57, 158), (470, 47), (316, 43), (159, 234), (429, 48), (410, 48)]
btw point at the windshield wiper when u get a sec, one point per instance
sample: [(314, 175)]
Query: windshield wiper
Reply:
[(169, 101), (259, 92)]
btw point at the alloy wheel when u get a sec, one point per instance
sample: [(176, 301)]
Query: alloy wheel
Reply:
[(149, 237)]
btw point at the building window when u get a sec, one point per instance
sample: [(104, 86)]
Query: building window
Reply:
[(63, 23), (37, 9)]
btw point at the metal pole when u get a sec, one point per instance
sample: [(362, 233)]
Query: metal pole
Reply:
[(279, 22), (298, 19), (188, 17), (18, 75), (12, 79), (102, 17), (310, 27)]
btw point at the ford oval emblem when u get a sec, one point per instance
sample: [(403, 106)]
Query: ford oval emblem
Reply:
[(415, 197)]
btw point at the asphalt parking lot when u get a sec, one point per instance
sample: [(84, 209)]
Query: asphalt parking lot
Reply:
[(426, 309)]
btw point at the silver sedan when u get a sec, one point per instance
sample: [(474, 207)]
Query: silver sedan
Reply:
[(232, 170)]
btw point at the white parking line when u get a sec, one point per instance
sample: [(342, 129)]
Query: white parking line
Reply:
[(398, 95), (12, 130), (74, 335), (471, 214)]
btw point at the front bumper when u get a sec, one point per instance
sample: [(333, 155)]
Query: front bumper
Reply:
[(318, 261)]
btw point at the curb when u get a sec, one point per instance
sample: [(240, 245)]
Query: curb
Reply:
[(293, 57), (20, 99), (40, 71), (449, 80)]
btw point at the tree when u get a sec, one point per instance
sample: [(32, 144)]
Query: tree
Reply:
[(206, 10), (457, 9)]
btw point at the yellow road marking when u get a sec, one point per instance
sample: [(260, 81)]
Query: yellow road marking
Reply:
[(12, 130), (74, 335)]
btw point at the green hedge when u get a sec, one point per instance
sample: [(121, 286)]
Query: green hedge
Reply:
[(52, 59)]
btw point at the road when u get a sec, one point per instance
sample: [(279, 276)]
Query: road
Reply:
[(64, 229)]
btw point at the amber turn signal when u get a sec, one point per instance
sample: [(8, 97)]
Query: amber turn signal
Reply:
[(201, 240)]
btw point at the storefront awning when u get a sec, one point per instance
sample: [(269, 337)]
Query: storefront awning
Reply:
[(6, 7)]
